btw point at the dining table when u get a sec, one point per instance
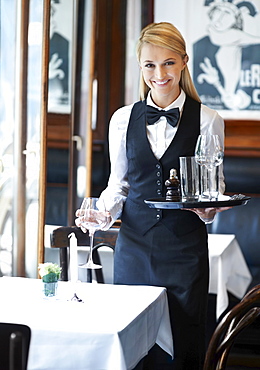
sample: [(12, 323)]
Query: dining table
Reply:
[(228, 270), (113, 327)]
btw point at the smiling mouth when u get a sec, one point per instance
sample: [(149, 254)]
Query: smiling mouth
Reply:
[(161, 83)]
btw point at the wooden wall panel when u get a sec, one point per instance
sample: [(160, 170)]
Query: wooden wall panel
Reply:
[(242, 138), (109, 62), (58, 133)]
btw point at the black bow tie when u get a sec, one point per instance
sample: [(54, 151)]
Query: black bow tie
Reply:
[(154, 114)]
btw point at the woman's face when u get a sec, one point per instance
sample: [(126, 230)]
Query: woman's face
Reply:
[(161, 70)]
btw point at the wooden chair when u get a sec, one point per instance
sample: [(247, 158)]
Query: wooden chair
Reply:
[(14, 346), (60, 239), (236, 320)]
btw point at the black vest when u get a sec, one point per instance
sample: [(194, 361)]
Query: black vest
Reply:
[(147, 175)]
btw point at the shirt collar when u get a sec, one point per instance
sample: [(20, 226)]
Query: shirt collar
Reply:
[(178, 103)]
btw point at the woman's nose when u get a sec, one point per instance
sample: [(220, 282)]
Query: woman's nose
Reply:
[(160, 72)]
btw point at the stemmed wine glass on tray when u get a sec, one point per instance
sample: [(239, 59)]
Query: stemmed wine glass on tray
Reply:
[(209, 153), (95, 218)]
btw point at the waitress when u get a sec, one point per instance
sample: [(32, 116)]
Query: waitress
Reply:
[(162, 248)]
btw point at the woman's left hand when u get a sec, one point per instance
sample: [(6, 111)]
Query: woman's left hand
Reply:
[(207, 215)]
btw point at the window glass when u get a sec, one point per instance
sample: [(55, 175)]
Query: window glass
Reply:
[(9, 129), (7, 101)]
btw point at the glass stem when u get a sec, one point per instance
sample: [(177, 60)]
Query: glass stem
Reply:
[(210, 182), (91, 239)]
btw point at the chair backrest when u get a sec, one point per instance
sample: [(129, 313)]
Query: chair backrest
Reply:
[(237, 319), (60, 239), (14, 346)]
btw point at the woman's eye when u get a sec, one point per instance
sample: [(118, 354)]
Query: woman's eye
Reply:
[(149, 65), (169, 63)]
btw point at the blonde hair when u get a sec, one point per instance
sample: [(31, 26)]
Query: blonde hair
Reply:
[(164, 34)]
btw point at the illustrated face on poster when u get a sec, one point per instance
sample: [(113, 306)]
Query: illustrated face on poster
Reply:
[(226, 54), (61, 23)]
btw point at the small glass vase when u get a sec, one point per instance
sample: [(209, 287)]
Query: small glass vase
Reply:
[(50, 289)]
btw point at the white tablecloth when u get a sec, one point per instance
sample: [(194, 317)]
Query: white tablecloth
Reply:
[(228, 269), (113, 329)]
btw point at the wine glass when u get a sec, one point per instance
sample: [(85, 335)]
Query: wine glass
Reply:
[(95, 218), (209, 154)]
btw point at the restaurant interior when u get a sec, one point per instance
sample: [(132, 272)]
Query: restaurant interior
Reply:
[(54, 130)]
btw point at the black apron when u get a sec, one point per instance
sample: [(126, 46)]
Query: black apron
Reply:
[(165, 248)]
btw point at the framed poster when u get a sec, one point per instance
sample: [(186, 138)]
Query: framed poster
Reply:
[(60, 62), (223, 43)]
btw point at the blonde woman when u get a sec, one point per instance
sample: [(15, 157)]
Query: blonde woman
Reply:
[(163, 248)]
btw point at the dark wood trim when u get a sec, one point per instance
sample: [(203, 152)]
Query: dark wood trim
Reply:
[(147, 15), (20, 144), (109, 61), (242, 138), (110, 53), (58, 131), (89, 102), (78, 7), (44, 110)]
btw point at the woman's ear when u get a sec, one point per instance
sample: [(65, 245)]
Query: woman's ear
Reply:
[(185, 60)]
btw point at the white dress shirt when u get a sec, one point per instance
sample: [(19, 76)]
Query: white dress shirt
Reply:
[(160, 136)]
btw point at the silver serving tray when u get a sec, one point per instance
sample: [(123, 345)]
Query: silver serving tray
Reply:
[(223, 201)]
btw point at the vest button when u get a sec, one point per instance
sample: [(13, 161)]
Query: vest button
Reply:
[(159, 192), (158, 174), (158, 166), (158, 217), (158, 182)]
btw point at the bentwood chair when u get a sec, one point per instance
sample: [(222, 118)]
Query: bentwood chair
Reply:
[(14, 346), (236, 320), (60, 239)]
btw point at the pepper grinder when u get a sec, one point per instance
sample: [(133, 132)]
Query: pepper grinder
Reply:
[(173, 193)]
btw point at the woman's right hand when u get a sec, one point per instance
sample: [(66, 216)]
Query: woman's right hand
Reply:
[(102, 219)]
